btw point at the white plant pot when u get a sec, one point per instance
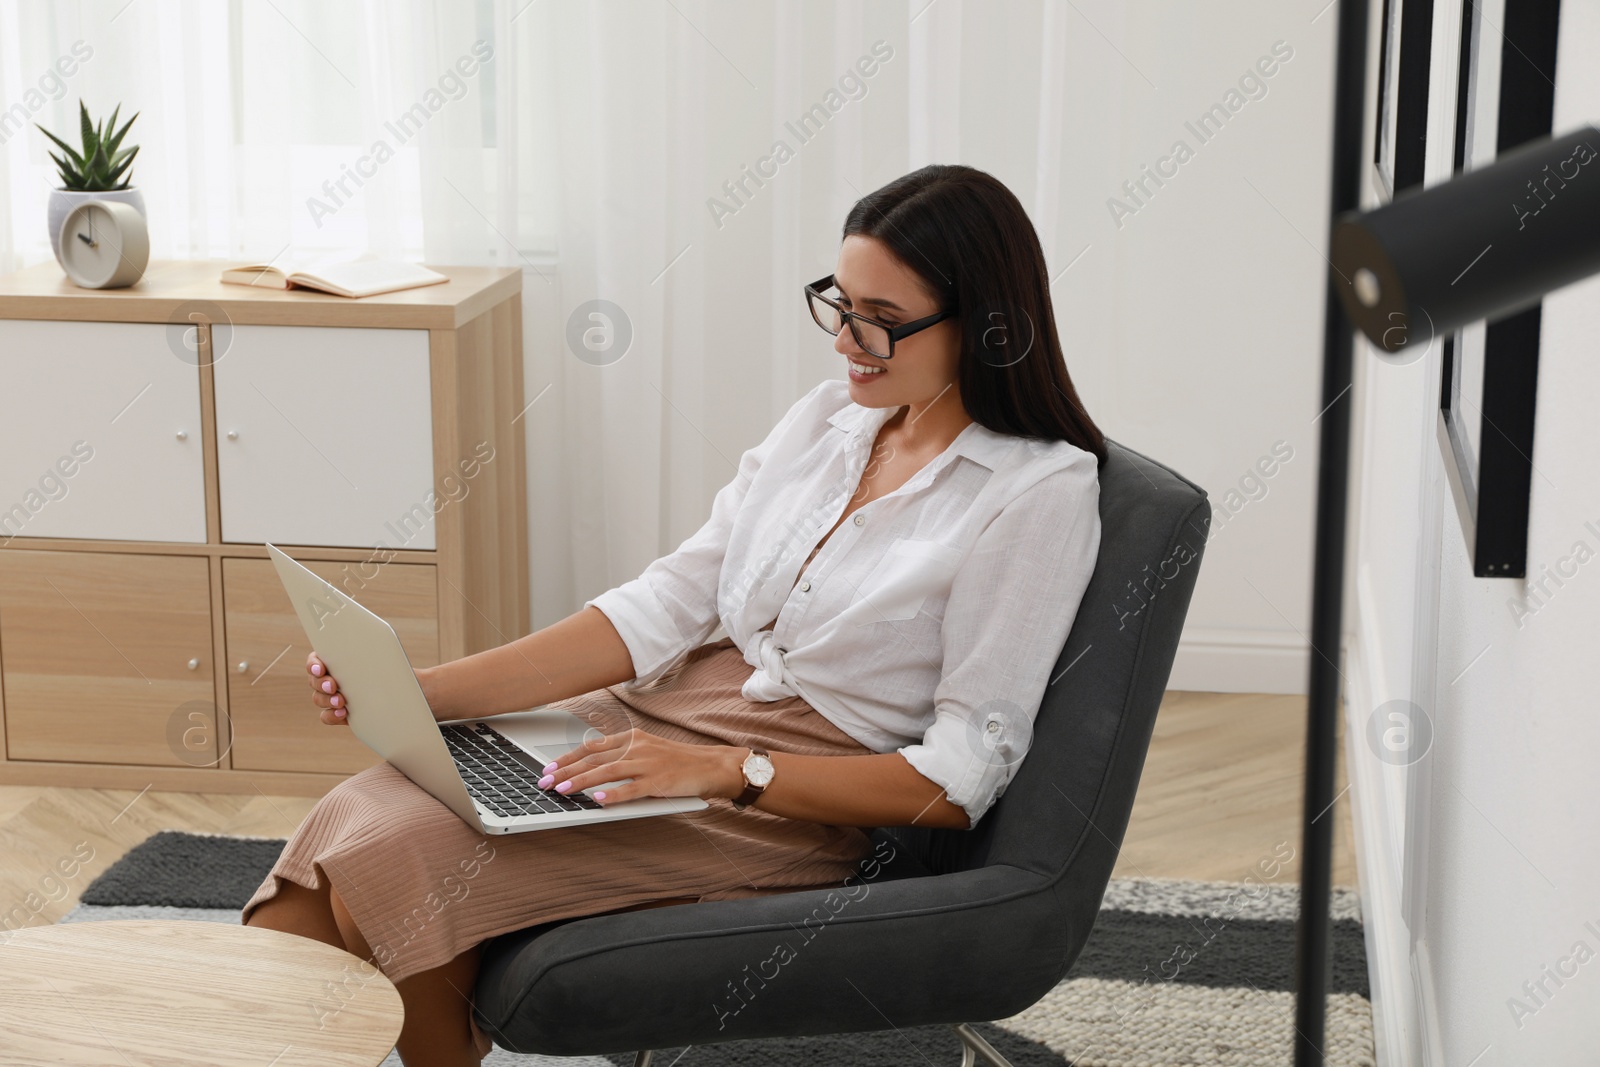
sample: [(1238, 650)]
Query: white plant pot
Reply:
[(63, 201)]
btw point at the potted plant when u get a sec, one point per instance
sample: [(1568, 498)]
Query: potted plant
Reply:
[(97, 171)]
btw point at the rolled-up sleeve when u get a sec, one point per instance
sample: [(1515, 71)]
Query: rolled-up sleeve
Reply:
[(671, 607), (1011, 606)]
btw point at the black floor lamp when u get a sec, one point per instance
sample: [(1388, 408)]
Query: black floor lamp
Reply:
[(1403, 274)]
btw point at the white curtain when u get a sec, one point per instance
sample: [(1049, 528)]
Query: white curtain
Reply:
[(618, 150)]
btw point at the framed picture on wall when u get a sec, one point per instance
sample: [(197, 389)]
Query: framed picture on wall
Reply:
[(1383, 140), (1505, 97), (1404, 54)]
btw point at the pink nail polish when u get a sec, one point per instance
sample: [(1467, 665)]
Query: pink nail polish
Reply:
[(338, 713), (548, 767), (334, 701), (327, 687), (600, 795), (544, 783), (316, 669), (564, 786)]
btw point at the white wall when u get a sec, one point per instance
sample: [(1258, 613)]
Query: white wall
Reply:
[(1208, 343), (1499, 859), (1192, 329), (1398, 508), (1512, 856)]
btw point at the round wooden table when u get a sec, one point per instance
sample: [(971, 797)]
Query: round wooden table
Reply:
[(182, 993)]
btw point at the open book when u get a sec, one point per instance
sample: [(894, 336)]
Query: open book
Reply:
[(352, 276)]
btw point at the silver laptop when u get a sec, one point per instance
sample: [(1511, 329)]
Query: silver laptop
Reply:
[(485, 770)]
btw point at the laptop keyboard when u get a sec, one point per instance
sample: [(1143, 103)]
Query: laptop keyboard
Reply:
[(501, 776)]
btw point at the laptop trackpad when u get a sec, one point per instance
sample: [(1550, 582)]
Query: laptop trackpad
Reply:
[(550, 731)]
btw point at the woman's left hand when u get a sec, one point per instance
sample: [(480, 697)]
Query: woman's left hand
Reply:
[(657, 766)]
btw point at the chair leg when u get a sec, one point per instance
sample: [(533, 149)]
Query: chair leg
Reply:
[(643, 1057), (973, 1045)]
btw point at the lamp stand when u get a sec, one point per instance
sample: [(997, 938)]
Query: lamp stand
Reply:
[(1312, 963)]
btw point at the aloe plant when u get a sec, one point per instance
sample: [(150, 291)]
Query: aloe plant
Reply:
[(102, 161)]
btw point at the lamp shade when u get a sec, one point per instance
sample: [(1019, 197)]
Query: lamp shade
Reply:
[(1482, 245)]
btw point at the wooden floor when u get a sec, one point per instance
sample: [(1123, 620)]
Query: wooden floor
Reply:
[(1221, 792)]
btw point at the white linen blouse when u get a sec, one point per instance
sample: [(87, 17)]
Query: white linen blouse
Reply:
[(928, 623)]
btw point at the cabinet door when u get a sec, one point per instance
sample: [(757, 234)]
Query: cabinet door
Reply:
[(325, 437), (107, 658), (99, 433), (275, 725)]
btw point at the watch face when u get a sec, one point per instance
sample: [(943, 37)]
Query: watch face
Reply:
[(759, 770)]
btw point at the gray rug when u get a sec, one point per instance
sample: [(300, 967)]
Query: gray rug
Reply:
[(1154, 986)]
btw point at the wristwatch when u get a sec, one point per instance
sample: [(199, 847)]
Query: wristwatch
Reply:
[(758, 772)]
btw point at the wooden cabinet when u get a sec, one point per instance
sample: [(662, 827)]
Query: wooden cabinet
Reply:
[(275, 725), (107, 658), (99, 433), (152, 439)]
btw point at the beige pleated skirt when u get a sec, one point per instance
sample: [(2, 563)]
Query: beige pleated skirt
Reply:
[(424, 887)]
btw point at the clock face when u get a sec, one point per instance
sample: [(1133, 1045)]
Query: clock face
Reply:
[(104, 244)]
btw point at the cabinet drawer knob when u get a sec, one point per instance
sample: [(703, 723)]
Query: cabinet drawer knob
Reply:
[(244, 666), (183, 435), (233, 435), (194, 665)]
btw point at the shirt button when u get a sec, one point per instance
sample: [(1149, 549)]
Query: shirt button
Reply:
[(805, 587), (861, 520)]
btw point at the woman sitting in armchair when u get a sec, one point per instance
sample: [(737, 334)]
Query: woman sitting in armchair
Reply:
[(897, 566)]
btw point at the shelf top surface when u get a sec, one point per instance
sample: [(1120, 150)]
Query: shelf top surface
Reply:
[(171, 289)]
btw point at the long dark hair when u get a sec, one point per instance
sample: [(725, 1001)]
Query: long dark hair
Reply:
[(967, 237)]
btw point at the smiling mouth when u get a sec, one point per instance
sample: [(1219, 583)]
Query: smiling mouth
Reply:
[(865, 368)]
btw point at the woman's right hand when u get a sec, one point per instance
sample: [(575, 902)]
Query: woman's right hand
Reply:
[(325, 692)]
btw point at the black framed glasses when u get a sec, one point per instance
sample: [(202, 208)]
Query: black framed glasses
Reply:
[(875, 338)]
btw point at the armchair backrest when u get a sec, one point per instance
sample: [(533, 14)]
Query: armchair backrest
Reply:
[(1067, 807)]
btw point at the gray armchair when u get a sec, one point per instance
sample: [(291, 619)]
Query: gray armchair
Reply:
[(949, 925)]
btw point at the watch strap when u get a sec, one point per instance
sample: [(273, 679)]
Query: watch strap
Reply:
[(751, 790)]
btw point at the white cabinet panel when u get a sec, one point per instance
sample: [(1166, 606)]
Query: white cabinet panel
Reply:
[(99, 433), (325, 437)]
